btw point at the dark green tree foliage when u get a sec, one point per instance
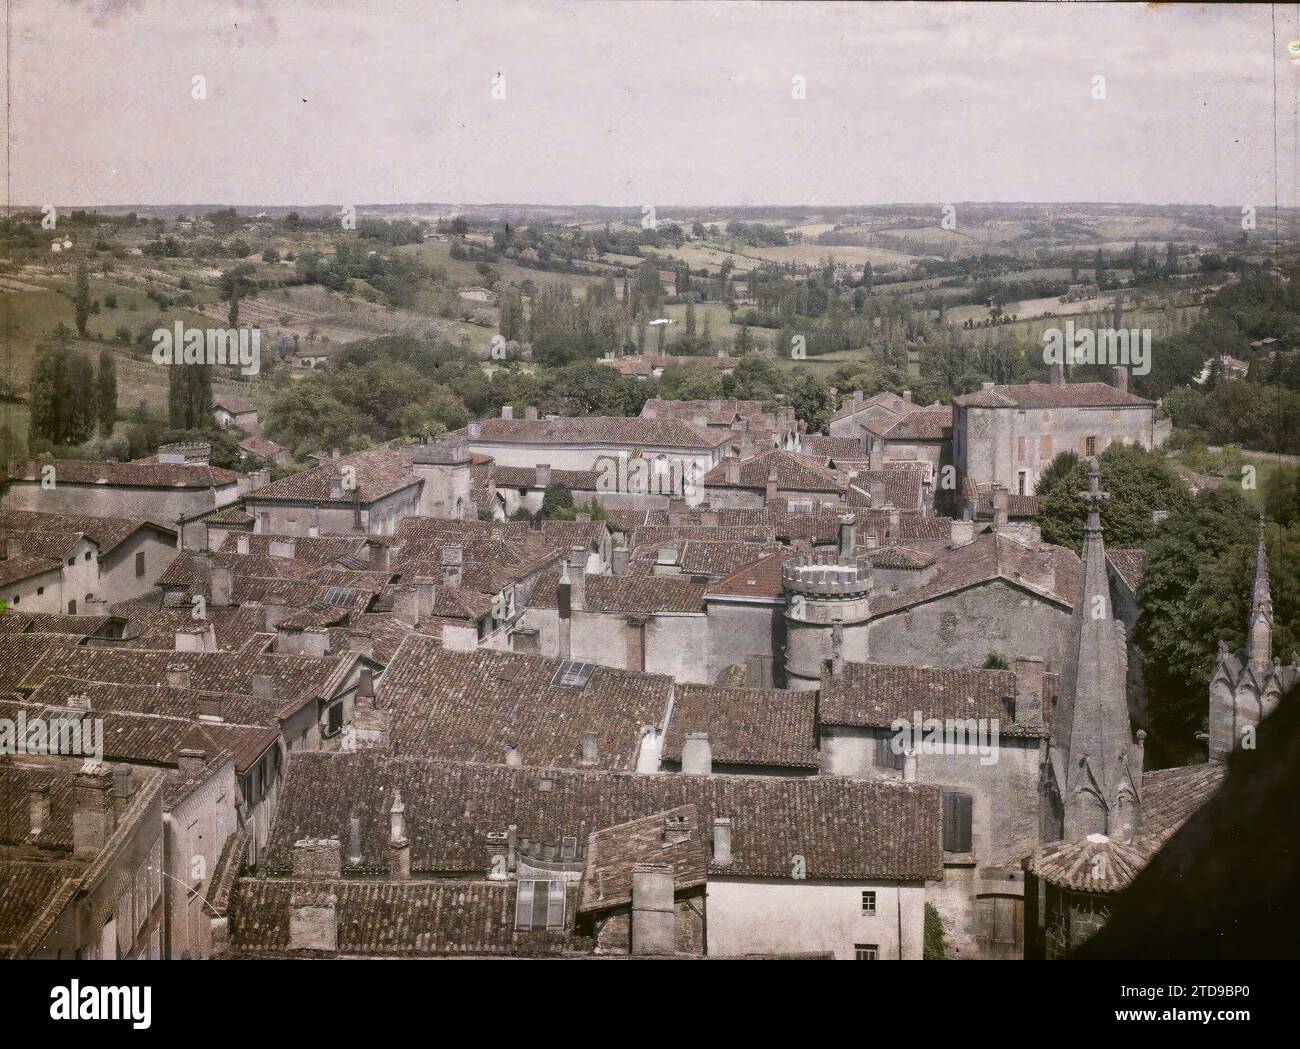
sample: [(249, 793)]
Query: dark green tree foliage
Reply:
[(62, 396), (1195, 592), (1139, 482), (81, 307), (189, 396), (556, 498), (106, 391)]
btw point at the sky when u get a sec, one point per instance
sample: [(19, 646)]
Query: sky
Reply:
[(631, 103)]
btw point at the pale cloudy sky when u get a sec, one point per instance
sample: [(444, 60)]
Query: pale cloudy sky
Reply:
[(624, 103)]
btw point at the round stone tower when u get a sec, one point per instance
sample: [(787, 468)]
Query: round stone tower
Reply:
[(827, 602)]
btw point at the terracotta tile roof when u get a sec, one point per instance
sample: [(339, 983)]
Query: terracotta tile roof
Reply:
[(833, 447), (376, 918), (719, 412), (885, 399), (901, 557), (235, 514), (51, 623), (469, 706), (156, 627), (692, 558), (704, 517), (28, 889), (989, 557), (48, 545), (903, 489), (261, 447), (187, 572), (379, 472), (759, 581), (873, 695), (793, 473), (157, 740), (1129, 563), (612, 852), (1020, 507), (646, 595), (19, 651), (597, 429), (747, 726), (234, 405), (318, 549), (386, 633), (662, 535), (928, 424), (295, 680), (816, 525), (1095, 864), (106, 532), (1171, 796), (135, 475), (235, 708), (1037, 395), (843, 827), (26, 566)]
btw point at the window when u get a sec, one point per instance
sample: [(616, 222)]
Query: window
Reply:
[(1020, 448), (87, 557), (866, 952), (540, 904), (956, 822), (72, 560), (1022, 483), (40, 590), (335, 723), (886, 757), (868, 902), (139, 564), (572, 674), (1045, 447), (1090, 446), (72, 607)]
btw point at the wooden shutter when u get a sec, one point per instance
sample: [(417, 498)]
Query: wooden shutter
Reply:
[(886, 758), (956, 822), (524, 904), (555, 905)]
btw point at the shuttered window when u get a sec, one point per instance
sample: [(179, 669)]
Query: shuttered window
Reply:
[(539, 904), (956, 822), (886, 758)]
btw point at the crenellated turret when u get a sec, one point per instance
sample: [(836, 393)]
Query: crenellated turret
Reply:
[(827, 604)]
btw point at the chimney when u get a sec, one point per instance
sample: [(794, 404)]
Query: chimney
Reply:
[(721, 840), (354, 840), (878, 489), (1029, 687), (1119, 377), (507, 411), (909, 765), (366, 684), (963, 532), (999, 506), (857, 396), (313, 919), (590, 750), (361, 642), (263, 686), (196, 638), (336, 487), (92, 819), (847, 523), (241, 543), (178, 675), (895, 529), (220, 586), (38, 798), (192, 762), (564, 606), (654, 918), (543, 474), (769, 492), (577, 586), (474, 430), (210, 707), (398, 844), (1056, 374), (530, 413), (514, 759), (907, 396), (379, 557), (80, 701), (697, 754), (732, 470), (317, 858), (406, 605), (452, 558)]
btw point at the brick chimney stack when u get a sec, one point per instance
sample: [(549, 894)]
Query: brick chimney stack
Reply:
[(697, 754), (654, 919), (92, 819), (1119, 378), (398, 843)]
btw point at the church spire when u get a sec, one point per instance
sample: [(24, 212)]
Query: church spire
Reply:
[(1259, 626), (1097, 766)]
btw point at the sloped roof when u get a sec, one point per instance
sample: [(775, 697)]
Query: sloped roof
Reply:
[(746, 726), (136, 475), (793, 473), (1037, 395), (612, 852), (597, 429)]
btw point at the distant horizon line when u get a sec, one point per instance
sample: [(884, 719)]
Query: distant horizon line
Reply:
[(1261, 207)]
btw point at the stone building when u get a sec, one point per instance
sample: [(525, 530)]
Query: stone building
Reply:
[(1008, 435)]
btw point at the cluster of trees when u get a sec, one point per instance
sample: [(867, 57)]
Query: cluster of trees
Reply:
[(70, 396), (1196, 587)]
